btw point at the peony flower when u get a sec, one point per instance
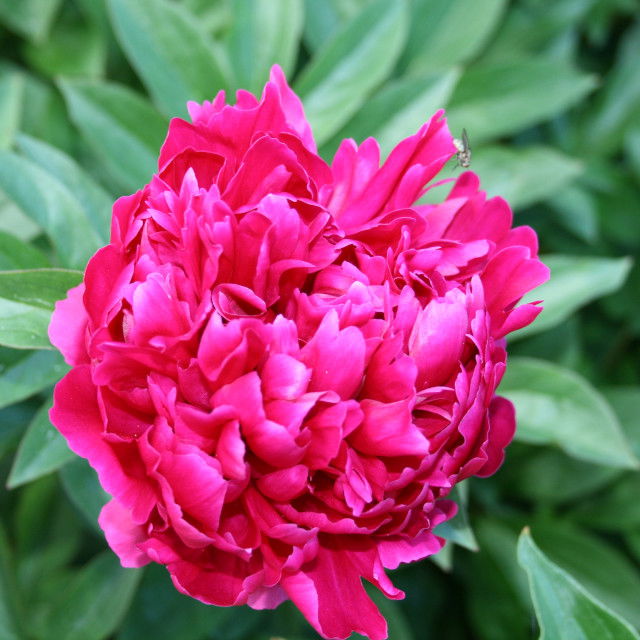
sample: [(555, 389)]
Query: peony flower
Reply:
[(281, 368)]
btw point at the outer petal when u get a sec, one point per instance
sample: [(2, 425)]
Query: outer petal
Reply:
[(122, 534), (330, 594), (68, 327), (76, 415)]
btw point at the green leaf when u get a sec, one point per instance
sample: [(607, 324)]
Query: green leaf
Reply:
[(9, 600), (161, 612), (398, 625), (263, 33), (618, 103), (44, 115), (497, 594), (27, 299), (42, 450), (616, 510), (14, 420), (458, 530), (74, 49), (577, 211), (625, 402), (608, 576), (30, 18), (11, 100), (30, 375), (16, 254), (448, 32), (51, 205), (121, 127), (173, 56), (499, 99), (83, 488), (351, 65), (323, 19), (444, 558), (398, 110), (95, 201), (93, 605), (550, 477), (39, 288), (564, 608), (575, 281), (556, 406), (524, 175)]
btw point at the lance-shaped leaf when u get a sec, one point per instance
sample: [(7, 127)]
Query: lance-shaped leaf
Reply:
[(121, 127), (575, 281), (52, 206), (27, 299), (94, 603), (565, 609), (263, 33), (555, 405), (351, 64), (173, 56), (41, 451)]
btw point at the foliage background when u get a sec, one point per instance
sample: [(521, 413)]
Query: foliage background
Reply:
[(550, 95)]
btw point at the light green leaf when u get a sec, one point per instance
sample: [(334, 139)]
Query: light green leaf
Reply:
[(556, 406), (524, 175), (577, 210), (30, 18), (174, 58), (51, 205), (351, 65), (93, 605), (499, 99), (608, 576), (448, 32), (27, 299), (44, 115), (565, 610), (83, 488), (626, 403), (618, 103), (71, 50), (323, 19), (458, 529), (95, 201), (39, 288), (121, 127), (263, 33), (444, 558), (11, 99), (30, 375), (17, 254), (575, 281), (398, 110), (42, 450)]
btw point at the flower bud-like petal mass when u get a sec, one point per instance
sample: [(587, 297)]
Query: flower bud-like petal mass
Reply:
[(281, 368)]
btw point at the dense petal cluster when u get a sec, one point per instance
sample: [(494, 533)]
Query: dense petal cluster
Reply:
[(281, 367)]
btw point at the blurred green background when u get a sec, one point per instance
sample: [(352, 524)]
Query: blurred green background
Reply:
[(549, 93)]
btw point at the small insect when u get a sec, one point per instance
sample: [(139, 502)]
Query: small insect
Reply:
[(464, 150)]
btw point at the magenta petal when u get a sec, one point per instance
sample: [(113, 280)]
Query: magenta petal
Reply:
[(68, 327), (123, 535), (331, 597)]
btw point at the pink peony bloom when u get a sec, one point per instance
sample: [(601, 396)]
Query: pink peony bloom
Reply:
[(281, 368)]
